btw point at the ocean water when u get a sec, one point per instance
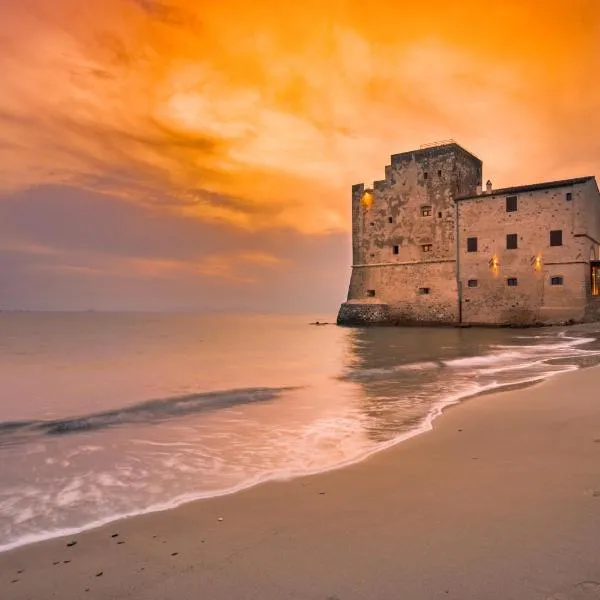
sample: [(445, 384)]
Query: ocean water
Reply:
[(109, 415)]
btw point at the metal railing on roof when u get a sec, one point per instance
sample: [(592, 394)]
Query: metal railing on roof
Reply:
[(433, 144)]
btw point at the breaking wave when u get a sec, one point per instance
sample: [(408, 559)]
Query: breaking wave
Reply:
[(146, 412)]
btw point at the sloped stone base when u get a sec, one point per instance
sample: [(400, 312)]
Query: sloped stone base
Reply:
[(352, 313)]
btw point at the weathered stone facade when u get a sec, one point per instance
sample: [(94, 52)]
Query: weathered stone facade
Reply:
[(415, 259)]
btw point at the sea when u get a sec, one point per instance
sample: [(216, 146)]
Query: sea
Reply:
[(105, 415)]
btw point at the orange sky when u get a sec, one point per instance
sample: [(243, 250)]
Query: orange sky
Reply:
[(258, 117)]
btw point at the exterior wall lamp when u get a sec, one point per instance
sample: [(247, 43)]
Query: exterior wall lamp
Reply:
[(367, 199), (494, 264), (536, 261)]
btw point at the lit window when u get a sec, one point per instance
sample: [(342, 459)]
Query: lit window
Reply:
[(472, 283), (558, 280), (426, 247), (556, 237), (511, 203), (424, 291), (472, 244), (512, 281), (425, 211), (371, 293), (511, 241), (396, 249)]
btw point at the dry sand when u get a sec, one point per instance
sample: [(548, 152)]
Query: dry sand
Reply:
[(500, 501)]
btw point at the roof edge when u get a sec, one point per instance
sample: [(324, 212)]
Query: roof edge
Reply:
[(529, 187)]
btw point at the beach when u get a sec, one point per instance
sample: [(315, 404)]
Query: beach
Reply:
[(500, 500)]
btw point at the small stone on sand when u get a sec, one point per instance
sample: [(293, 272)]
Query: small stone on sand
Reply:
[(220, 519), (174, 553), (66, 562), (121, 542), (114, 535), (71, 544), (100, 574)]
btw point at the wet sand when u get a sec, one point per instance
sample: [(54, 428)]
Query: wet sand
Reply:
[(500, 501)]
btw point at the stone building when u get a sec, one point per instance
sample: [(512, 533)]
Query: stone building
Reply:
[(430, 246)]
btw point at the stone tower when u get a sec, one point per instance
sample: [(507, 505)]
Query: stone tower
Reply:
[(404, 238)]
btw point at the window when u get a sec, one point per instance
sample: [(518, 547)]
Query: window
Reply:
[(556, 237), (569, 196), (511, 241), (472, 244), (425, 211), (396, 249), (439, 215), (511, 203), (426, 247), (558, 280), (439, 172), (390, 220), (472, 283), (512, 281), (371, 223), (371, 293), (424, 291), (425, 175), (595, 268)]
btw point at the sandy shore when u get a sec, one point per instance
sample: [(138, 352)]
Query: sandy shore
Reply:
[(500, 501)]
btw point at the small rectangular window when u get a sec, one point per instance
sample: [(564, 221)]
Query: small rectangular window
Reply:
[(569, 196), (425, 211), (396, 249), (371, 293), (472, 283), (439, 215), (511, 241), (472, 244), (425, 175), (512, 281), (390, 220), (556, 237), (511, 203), (424, 291), (439, 172), (426, 247), (371, 223), (558, 280)]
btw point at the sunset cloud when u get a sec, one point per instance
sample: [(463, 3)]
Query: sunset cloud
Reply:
[(258, 117)]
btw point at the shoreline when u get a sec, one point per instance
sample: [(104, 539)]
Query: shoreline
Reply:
[(501, 499), (437, 411)]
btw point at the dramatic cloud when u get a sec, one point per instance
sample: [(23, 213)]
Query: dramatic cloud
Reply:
[(249, 122)]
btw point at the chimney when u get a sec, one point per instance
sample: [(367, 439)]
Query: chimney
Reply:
[(488, 187)]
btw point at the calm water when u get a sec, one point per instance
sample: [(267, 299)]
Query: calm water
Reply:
[(105, 415)]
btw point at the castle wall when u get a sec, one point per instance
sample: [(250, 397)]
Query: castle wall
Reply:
[(533, 263), (405, 239), (401, 286)]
